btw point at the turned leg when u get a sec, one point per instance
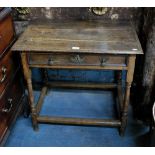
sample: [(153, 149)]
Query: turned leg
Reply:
[(124, 113), (119, 91), (119, 77), (27, 76), (44, 75), (129, 78)]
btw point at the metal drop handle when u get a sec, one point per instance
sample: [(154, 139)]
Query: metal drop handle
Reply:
[(4, 69), (7, 110)]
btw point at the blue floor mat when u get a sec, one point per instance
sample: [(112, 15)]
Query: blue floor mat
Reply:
[(76, 103)]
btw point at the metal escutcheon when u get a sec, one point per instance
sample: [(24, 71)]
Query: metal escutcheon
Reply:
[(77, 59)]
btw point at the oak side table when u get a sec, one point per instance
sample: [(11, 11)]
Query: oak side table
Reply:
[(83, 45)]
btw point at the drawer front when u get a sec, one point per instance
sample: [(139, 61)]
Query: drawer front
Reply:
[(8, 105), (76, 60), (7, 71), (6, 33)]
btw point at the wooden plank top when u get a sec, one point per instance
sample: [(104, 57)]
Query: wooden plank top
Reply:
[(80, 36)]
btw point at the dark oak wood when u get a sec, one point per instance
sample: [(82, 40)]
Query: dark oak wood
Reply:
[(79, 121), (6, 32), (129, 79), (120, 97), (9, 105), (27, 75), (119, 90), (82, 37), (79, 45), (115, 67), (86, 85), (41, 99), (11, 89), (7, 70), (76, 59)]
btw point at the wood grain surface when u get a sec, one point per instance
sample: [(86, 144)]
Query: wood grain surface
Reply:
[(81, 37)]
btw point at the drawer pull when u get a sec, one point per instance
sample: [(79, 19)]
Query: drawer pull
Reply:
[(104, 61), (7, 110), (4, 74), (77, 59), (50, 61)]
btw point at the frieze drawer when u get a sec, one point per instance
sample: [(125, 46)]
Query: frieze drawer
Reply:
[(76, 60)]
